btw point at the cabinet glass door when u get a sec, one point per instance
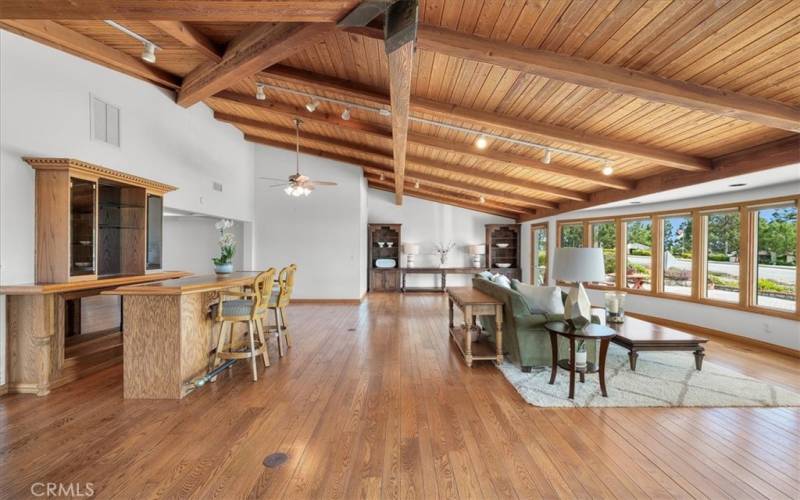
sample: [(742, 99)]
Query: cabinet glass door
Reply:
[(155, 214), (82, 233)]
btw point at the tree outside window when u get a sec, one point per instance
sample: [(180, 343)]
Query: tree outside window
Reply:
[(638, 254), (776, 258), (722, 256), (604, 235), (572, 235)]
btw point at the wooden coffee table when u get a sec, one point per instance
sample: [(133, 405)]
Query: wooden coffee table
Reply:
[(639, 335), (589, 332)]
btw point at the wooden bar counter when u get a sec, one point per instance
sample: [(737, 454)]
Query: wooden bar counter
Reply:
[(168, 332), (38, 360)]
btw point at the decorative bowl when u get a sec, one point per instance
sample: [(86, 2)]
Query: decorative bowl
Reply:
[(385, 263), (503, 265), (390, 244), (381, 243), (502, 245)]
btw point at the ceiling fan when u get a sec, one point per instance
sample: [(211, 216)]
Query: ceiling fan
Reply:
[(298, 184)]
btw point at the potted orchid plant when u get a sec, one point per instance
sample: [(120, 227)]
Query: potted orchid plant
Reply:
[(227, 247), (442, 251)]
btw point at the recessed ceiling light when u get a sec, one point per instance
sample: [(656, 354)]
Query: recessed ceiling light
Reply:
[(260, 95), (312, 106), (149, 52), (547, 157), (481, 142), (738, 184)]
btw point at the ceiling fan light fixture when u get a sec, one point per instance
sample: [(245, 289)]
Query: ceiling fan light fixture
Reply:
[(312, 106), (149, 52), (481, 142), (346, 114), (260, 95)]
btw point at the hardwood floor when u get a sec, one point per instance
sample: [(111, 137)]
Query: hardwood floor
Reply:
[(374, 401)]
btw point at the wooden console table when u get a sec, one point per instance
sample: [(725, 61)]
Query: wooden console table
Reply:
[(442, 272), (473, 303)]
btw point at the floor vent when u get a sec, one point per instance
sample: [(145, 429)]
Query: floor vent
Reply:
[(275, 460)]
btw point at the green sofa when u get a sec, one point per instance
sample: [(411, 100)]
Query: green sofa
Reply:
[(525, 341)]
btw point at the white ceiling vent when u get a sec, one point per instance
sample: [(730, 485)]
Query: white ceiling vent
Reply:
[(104, 122)]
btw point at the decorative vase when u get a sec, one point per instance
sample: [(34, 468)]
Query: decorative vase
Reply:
[(223, 269), (615, 307), (580, 359)]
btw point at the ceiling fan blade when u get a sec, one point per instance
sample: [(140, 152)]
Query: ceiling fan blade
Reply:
[(272, 179), (325, 183), (279, 185)]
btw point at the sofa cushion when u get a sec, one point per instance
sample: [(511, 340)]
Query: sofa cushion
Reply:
[(485, 274), (502, 281), (235, 308), (540, 299)]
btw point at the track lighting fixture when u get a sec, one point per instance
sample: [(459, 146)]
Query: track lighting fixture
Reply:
[(416, 185), (547, 157), (384, 112), (149, 52), (482, 200), (260, 95), (608, 169), (312, 106), (346, 114), (481, 142), (382, 177)]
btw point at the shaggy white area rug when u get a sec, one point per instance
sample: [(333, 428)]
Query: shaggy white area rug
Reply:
[(660, 379)]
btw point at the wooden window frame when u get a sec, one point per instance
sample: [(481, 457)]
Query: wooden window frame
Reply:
[(545, 226), (748, 214), (587, 242)]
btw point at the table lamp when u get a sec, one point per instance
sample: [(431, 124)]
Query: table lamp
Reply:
[(578, 265), (476, 251), (411, 250)]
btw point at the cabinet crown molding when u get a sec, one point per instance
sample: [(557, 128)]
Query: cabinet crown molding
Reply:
[(97, 171)]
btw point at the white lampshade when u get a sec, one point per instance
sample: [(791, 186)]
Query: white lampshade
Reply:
[(411, 248), (579, 265), (477, 249)]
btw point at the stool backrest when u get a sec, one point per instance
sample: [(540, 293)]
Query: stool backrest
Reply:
[(286, 283), (262, 287)]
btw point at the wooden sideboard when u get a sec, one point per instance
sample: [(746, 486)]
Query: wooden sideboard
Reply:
[(442, 272)]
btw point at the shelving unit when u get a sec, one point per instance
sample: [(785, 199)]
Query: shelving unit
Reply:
[(384, 279), (504, 234)]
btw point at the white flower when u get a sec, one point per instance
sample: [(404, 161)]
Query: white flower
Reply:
[(227, 239), (223, 224)]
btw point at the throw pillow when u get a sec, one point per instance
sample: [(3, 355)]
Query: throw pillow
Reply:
[(502, 281), (486, 274), (540, 299)]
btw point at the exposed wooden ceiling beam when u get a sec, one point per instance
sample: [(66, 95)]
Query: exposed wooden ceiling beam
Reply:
[(605, 77), (250, 11), (400, 33), (57, 35), (381, 133), (378, 169), (355, 149), (610, 78), (191, 37), (254, 49), (763, 157), (492, 120), (439, 166), (438, 198)]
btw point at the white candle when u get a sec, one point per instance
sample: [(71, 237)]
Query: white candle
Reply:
[(613, 306)]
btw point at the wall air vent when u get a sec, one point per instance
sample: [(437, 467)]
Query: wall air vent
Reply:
[(104, 122), (217, 186)]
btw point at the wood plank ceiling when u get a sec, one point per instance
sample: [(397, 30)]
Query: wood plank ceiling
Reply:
[(667, 93)]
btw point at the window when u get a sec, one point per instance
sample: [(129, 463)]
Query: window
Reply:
[(639, 254), (677, 257), (776, 258), (571, 235), (722, 256), (539, 255), (604, 235)]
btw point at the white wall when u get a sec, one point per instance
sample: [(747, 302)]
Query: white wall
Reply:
[(44, 98), (428, 223), (757, 326), (322, 233), (204, 237)]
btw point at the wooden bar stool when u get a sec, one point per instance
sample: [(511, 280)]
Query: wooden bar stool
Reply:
[(278, 302), (248, 306)]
